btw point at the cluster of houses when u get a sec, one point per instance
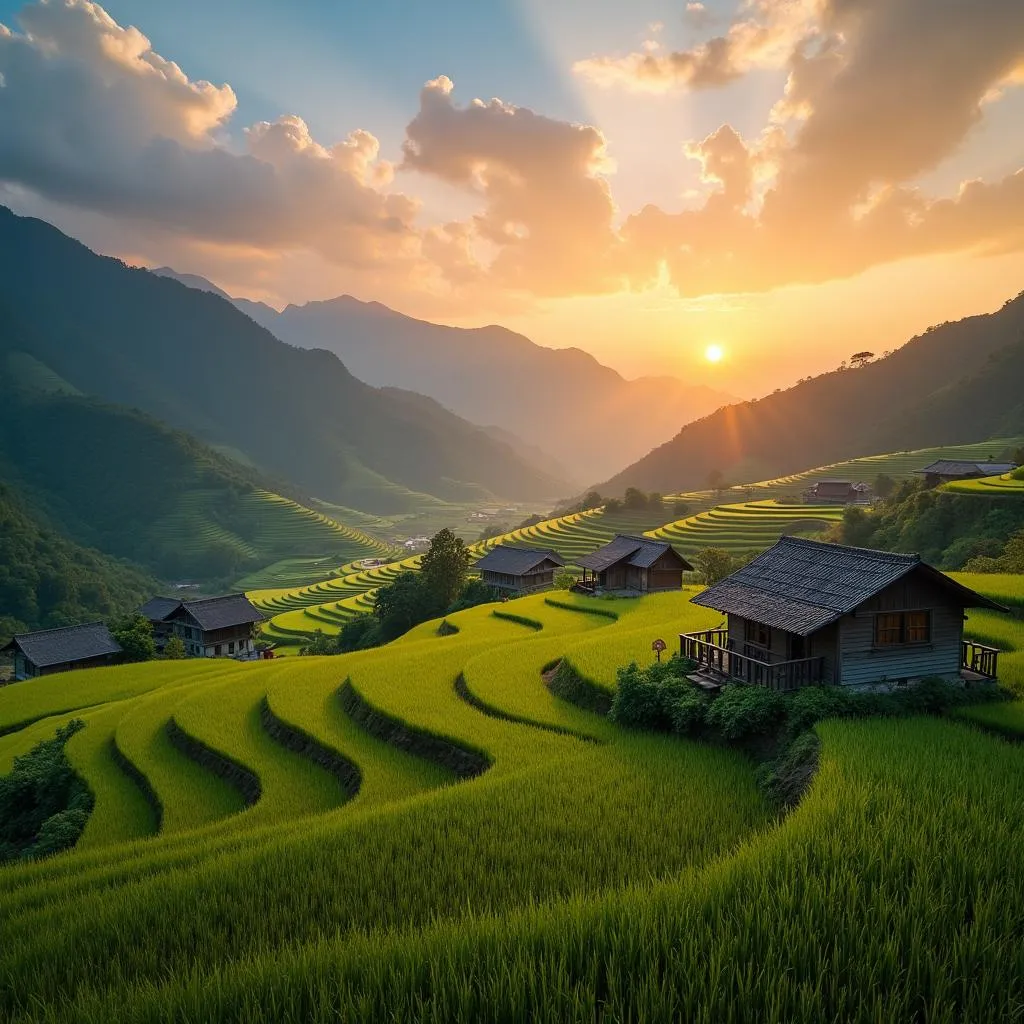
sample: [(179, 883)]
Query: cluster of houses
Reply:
[(208, 627), (802, 613)]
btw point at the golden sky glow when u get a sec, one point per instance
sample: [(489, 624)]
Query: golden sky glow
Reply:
[(754, 172)]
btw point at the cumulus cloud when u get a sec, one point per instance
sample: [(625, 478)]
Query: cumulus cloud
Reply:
[(94, 118), (763, 38), (547, 210)]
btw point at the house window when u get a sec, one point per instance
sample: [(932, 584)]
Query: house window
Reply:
[(231, 647), (217, 650), (892, 628), (758, 634)]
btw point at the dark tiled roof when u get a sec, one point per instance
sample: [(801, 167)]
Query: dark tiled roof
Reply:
[(157, 609), (222, 612), (802, 585), (516, 561), (68, 643), (641, 552), (957, 467)]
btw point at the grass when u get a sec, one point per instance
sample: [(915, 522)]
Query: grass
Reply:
[(588, 873), (747, 526), (992, 486)]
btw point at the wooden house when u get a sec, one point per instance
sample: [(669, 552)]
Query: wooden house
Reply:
[(805, 612), (59, 650), (837, 492), (639, 564), (518, 570), (209, 627), (945, 471)]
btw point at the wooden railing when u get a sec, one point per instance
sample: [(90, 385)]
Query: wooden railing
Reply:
[(979, 658), (710, 650)]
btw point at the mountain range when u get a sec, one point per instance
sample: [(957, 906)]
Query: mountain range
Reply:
[(585, 416), (956, 383), (194, 361)]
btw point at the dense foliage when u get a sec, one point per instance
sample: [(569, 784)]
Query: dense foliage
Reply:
[(660, 697), (946, 529), (47, 581), (1010, 559), (44, 805)]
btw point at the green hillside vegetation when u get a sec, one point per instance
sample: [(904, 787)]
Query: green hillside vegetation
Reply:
[(421, 817), (950, 528), (47, 580), (194, 361), (954, 383), (135, 489)]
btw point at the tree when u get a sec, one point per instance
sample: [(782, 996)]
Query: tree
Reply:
[(359, 634), (654, 500), (634, 499), (859, 359), (714, 564), (135, 635), (592, 499), (444, 568), (174, 649), (613, 505), (320, 643), (884, 485), (402, 604), (565, 579), (716, 480)]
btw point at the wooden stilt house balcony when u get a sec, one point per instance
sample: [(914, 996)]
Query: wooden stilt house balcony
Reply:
[(718, 662)]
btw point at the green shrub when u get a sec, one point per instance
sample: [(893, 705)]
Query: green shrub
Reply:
[(647, 698), (689, 711), (44, 805), (740, 711)]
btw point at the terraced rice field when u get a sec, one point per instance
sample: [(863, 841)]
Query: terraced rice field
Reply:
[(747, 526), (898, 465), (264, 526), (424, 831), (993, 486)]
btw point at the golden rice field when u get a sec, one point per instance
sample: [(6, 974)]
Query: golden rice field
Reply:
[(426, 832)]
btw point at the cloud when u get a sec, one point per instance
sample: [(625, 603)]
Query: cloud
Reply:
[(94, 118), (547, 207), (763, 38)]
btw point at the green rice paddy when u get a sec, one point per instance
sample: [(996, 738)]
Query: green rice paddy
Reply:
[(426, 832)]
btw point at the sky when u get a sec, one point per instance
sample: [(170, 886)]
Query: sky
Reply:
[(785, 182)]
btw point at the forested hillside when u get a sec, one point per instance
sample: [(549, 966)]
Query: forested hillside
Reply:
[(956, 383), (47, 580), (191, 359), (115, 479)]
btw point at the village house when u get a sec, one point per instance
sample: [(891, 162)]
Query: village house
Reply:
[(837, 492), (59, 650), (639, 564), (805, 612), (947, 470), (209, 627), (518, 570)]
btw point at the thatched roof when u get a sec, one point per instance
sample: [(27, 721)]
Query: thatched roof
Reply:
[(802, 585)]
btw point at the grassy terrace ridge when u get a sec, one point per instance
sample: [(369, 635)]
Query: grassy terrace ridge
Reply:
[(991, 486), (898, 465), (426, 893)]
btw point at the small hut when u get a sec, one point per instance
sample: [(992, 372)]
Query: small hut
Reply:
[(805, 612), (639, 564), (945, 471), (518, 570), (58, 650)]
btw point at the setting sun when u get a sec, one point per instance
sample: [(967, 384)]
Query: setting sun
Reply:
[(714, 353)]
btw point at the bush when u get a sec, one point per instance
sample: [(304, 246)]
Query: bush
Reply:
[(358, 634), (689, 711), (135, 635), (740, 711), (714, 564), (646, 698), (174, 649), (44, 805), (565, 579)]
